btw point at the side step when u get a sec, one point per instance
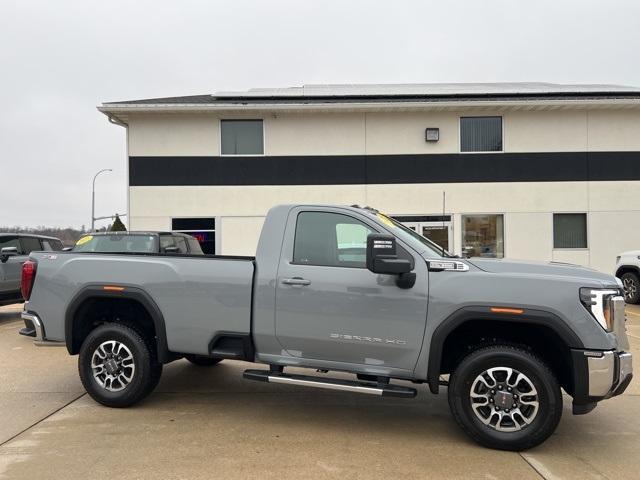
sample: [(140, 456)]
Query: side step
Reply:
[(371, 388)]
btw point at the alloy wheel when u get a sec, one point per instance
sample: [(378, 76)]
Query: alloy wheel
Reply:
[(630, 287), (504, 399), (113, 365)]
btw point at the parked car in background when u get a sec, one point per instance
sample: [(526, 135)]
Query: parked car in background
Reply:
[(628, 270), (138, 242), (14, 251)]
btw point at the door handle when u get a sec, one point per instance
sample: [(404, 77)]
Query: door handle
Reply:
[(296, 281)]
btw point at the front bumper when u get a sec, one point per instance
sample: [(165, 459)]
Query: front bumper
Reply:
[(599, 375)]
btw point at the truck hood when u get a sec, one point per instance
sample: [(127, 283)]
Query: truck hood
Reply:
[(540, 268)]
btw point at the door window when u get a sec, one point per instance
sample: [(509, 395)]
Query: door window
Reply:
[(330, 239), (437, 234), (436, 228), (30, 244), (166, 241), (10, 242), (181, 244)]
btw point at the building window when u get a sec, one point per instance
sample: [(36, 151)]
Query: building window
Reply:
[(480, 134), (569, 230), (483, 236), (330, 239), (241, 137), (203, 229)]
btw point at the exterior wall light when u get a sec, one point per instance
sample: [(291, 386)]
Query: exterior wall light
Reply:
[(432, 134)]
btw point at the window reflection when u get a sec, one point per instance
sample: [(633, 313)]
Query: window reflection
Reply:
[(483, 236)]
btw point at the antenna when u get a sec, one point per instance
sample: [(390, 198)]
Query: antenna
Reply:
[(444, 203)]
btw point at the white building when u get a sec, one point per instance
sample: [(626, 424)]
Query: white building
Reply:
[(533, 171)]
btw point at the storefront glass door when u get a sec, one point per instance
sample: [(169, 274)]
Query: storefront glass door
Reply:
[(436, 228)]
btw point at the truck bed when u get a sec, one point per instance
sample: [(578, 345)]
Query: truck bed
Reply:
[(182, 287)]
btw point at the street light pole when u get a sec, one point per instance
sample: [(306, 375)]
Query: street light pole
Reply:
[(93, 197)]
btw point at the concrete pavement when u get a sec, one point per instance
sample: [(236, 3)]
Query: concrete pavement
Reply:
[(210, 423)]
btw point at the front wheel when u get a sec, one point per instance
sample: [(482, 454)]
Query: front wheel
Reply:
[(117, 367), (631, 285), (506, 398)]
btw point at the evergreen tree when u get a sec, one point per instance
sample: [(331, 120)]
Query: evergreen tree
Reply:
[(117, 225)]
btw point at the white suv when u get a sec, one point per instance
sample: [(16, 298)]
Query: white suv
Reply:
[(628, 270)]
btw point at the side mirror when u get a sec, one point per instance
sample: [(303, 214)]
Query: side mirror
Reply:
[(67, 249), (7, 252), (171, 250), (382, 256)]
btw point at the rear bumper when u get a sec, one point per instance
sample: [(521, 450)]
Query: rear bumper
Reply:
[(39, 338), (599, 375)]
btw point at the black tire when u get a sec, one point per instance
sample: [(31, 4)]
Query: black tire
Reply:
[(156, 374), (144, 376), (543, 422), (631, 283), (202, 360)]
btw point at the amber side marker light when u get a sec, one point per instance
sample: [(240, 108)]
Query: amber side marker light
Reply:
[(515, 311), (113, 288)]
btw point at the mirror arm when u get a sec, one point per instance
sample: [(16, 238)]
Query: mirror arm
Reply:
[(406, 280)]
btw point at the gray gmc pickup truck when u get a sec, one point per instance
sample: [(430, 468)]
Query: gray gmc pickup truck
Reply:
[(345, 289)]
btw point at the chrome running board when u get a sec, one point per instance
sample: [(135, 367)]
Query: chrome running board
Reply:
[(369, 388)]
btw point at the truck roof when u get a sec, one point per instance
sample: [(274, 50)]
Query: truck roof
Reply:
[(31, 235), (141, 232)]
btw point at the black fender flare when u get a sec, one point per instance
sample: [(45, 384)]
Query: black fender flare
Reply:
[(128, 292), (474, 313)]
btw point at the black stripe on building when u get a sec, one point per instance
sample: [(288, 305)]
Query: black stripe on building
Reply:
[(385, 169)]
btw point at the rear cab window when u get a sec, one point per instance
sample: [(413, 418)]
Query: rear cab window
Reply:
[(127, 243), (50, 245)]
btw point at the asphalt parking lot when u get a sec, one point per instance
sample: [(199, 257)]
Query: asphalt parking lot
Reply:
[(210, 423)]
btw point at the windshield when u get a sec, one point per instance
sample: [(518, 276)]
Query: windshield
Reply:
[(417, 241), (117, 244)]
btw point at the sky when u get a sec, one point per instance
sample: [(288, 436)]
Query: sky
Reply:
[(59, 60)]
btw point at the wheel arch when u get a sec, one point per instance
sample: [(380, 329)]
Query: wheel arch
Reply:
[(482, 316), (627, 269), (134, 294)]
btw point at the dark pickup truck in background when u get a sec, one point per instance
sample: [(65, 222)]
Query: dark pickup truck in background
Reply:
[(14, 251)]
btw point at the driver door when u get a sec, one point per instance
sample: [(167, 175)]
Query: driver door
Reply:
[(330, 307)]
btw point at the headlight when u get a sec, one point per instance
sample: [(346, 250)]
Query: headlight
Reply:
[(598, 302)]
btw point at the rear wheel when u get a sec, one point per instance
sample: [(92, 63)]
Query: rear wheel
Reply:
[(116, 366), (631, 285), (202, 360), (506, 398)]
